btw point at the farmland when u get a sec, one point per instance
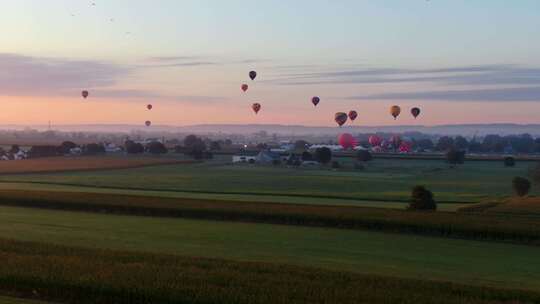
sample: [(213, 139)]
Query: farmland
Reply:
[(198, 232)]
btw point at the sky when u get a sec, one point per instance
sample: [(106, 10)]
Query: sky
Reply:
[(460, 61)]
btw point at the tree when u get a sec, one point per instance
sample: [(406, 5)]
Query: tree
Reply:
[(215, 146), (132, 147), (534, 173), (306, 156), (445, 143), (509, 161), (301, 145), (461, 143), (156, 147), (66, 147), (364, 156), (93, 149), (194, 147), (455, 157), (425, 144), (190, 140), (14, 149), (422, 199), (323, 155), (521, 186)]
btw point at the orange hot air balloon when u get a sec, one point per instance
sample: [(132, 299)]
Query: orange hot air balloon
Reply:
[(148, 123), (315, 100), (340, 118), (84, 94), (415, 112), (256, 107), (252, 75), (353, 115), (149, 107), (245, 87), (395, 111)]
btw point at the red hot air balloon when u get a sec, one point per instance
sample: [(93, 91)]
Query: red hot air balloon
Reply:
[(252, 75), (375, 140), (315, 100), (84, 94), (256, 107), (405, 147), (148, 123), (149, 107), (415, 112), (340, 118), (347, 141), (353, 115), (245, 87)]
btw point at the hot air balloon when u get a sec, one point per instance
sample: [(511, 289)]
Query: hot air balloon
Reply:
[(256, 107), (252, 75), (353, 115), (315, 100), (148, 123), (375, 140), (396, 141), (84, 94), (405, 147), (347, 141), (149, 107), (245, 87), (341, 118), (395, 111), (415, 112)]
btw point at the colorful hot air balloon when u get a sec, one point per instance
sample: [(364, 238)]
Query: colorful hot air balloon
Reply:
[(252, 75), (405, 147), (256, 107), (347, 141), (149, 107), (245, 87), (395, 111), (353, 115), (375, 140), (315, 100), (84, 94), (415, 112), (148, 123), (340, 118)]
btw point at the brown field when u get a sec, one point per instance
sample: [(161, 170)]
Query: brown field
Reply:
[(529, 206), (62, 164)]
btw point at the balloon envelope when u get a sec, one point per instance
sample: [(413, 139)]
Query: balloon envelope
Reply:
[(252, 75), (256, 107), (149, 107), (353, 115), (347, 141), (84, 94), (315, 100), (340, 118), (375, 140), (148, 123), (395, 111), (405, 147), (245, 87), (415, 112)]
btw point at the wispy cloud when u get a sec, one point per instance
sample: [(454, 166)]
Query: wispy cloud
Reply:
[(464, 75), (529, 94)]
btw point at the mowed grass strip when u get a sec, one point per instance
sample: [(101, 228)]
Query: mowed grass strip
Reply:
[(493, 227), (83, 163), (75, 275)]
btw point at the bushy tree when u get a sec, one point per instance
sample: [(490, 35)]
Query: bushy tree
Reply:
[(455, 157), (534, 173), (509, 161), (323, 155), (422, 199), (156, 147), (445, 143), (301, 145), (364, 156), (194, 147), (66, 147), (306, 156), (132, 147), (93, 149), (521, 186)]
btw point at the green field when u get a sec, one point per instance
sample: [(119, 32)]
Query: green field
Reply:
[(468, 262), (383, 181), (274, 219)]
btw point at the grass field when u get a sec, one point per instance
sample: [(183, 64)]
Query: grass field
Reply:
[(381, 181), (466, 262)]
